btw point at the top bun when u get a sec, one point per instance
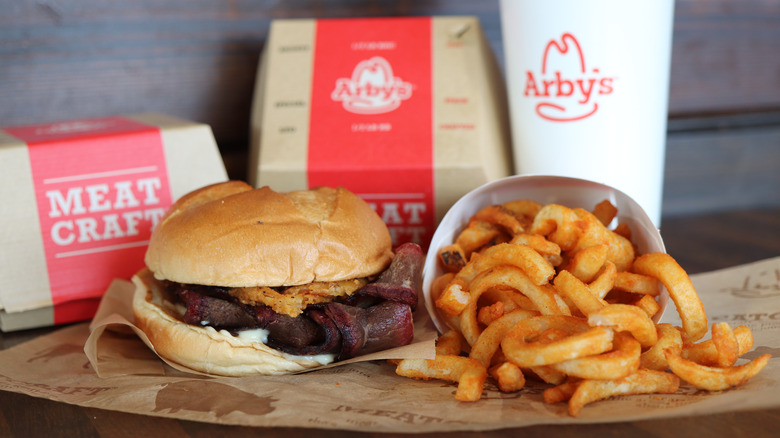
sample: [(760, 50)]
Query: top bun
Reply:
[(229, 234)]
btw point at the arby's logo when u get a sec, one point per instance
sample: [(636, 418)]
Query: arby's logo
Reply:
[(372, 89), (568, 89)]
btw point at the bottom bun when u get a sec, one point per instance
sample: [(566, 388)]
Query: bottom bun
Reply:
[(204, 349)]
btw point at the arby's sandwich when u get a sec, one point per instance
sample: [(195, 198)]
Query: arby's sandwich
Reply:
[(245, 281)]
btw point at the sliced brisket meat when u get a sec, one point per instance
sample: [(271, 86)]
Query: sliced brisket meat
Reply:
[(400, 282), (385, 325), (295, 332), (330, 342), (390, 325), (205, 310), (376, 317)]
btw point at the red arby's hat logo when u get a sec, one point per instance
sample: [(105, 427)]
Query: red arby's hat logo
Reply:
[(567, 88), (372, 89)]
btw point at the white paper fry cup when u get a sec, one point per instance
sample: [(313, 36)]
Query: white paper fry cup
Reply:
[(570, 192)]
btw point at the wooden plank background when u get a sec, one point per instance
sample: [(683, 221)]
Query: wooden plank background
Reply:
[(196, 59)]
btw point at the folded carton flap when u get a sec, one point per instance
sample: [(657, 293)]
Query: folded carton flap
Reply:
[(191, 153), (22, 256), (40, 317), (281, 107), (163, 121)]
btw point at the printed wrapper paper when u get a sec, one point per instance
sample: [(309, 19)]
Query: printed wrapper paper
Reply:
[(368, 396)]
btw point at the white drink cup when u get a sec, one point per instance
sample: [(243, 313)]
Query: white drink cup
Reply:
[(588, 86)]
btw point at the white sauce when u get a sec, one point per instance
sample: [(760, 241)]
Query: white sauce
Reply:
[(254, 335), (322, 359), (259, 335)]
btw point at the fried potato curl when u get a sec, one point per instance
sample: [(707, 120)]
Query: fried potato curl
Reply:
[(553, 294)]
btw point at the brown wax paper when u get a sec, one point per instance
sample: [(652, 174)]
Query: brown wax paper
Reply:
[(367, 395)]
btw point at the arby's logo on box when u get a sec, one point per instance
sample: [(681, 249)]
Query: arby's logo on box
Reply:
[(372, 89), (101, 186), (566, 87), (371, 119)]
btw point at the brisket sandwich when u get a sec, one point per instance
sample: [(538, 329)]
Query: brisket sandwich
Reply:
[(245, 281)]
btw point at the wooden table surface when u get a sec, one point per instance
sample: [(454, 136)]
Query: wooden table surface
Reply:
[(699, 242)]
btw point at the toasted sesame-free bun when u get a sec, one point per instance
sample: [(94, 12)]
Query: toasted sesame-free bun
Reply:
[(230, 234), (203, 349)]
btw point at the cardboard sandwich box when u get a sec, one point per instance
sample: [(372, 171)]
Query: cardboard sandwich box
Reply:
[(79, 201), (409, 113)]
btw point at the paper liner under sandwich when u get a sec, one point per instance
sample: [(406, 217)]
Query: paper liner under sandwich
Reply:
[(570, 192), (115, 314)]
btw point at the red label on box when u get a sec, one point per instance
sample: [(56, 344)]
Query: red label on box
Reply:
[(101, 185), (371, 118)]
